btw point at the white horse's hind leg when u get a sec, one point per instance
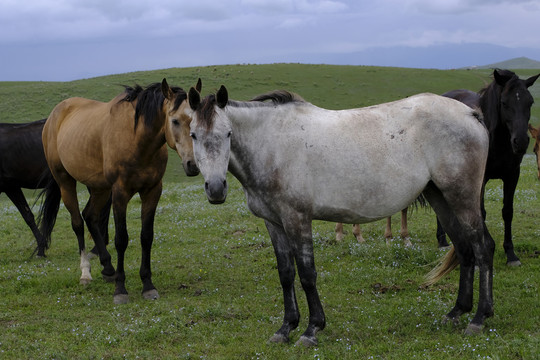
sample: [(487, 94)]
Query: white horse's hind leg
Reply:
[(86, 277)]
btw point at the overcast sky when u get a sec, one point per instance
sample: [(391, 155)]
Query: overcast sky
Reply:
[(64, 40)]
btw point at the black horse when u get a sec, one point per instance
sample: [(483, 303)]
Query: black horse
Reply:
[(506, 106), (23, 165)]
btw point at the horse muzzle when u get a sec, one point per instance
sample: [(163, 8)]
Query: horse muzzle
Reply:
[(190, 167), (216, 191), (520, 145)]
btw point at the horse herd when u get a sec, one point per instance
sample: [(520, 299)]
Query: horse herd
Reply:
[(286, 153)]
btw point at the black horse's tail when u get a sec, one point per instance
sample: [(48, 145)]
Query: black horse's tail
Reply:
[(48, 211)]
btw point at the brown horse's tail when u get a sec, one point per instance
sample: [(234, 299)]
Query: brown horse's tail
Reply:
[(447, 263)]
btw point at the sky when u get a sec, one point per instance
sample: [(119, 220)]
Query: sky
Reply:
[(64, 40)]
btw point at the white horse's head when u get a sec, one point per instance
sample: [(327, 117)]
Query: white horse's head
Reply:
[(211, 133)]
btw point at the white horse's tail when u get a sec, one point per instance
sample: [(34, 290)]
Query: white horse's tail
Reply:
[(447, 263)]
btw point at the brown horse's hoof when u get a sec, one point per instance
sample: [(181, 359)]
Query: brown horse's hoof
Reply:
[(121, 299), (151, 294), (307, 341), (279, 339), (473, 329), (514, 263)]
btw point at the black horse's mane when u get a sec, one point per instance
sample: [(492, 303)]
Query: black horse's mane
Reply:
[(279, 97), (150, 100)]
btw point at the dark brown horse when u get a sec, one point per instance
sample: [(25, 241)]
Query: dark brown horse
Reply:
[(535, 133), (506, 106), (118, 148), (23, 165)]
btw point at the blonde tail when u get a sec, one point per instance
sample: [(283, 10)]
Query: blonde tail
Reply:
[(447, 263)]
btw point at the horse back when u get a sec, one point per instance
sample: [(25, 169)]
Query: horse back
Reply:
[(22, 160), (467, 97)]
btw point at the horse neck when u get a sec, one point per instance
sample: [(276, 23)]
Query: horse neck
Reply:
[(150, 138), (490, 105)]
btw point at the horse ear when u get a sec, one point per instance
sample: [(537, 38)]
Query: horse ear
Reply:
[(166, 90), (198, 87), (500, 77), (222, 97), (194, 99), (533, 131), (531, 80)]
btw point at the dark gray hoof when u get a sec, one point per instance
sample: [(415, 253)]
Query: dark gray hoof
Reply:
[(151, 294), (514, 263), (278, 339), (307, 341), (447, 319), (121, 299), (473, 329)]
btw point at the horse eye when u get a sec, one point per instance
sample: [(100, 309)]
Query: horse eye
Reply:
[(229, 134), (193, 136), (176, 122)]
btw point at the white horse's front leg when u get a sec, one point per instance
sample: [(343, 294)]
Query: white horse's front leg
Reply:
[(86, 277)]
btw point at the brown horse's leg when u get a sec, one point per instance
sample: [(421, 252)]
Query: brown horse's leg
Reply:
[(92, 215), (120, 199), (357, 232), (388, 230), (339, 232), (149, 200), (404, 231), (68, 190)]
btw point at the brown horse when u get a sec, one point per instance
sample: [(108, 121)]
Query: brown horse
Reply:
[(535, 133), (118, 148), (357, 232)]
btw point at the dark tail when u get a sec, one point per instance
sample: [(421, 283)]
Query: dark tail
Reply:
[(48, 211)]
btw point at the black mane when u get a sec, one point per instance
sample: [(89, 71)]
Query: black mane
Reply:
[(279, 97), (150, 101)]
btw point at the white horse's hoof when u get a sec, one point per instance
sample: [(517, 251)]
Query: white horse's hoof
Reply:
[(85, 281), (121, 299), (307, 341), (151, 294)]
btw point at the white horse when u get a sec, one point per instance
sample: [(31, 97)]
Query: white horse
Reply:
[(298, 162)]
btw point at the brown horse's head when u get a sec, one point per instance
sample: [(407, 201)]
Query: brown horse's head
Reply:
[(177, 124), (535, 133)]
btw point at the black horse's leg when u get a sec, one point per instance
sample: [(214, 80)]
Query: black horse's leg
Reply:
[(92, 216), (441, 235), (149, 199), (285, 263), (509, 188), (120, 199), (17, 197)]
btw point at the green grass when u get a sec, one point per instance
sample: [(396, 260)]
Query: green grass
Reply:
[(215, 268)]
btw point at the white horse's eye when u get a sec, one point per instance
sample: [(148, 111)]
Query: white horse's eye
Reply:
[(229, 134)]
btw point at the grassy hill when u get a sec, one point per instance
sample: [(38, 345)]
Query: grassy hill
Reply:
[(514, 64)]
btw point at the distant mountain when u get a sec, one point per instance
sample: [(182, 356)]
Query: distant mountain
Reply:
[(516, 63)]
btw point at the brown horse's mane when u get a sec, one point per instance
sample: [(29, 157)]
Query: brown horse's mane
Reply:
[(150, 100)]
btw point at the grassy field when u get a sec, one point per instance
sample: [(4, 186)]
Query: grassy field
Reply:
[(214, 265)]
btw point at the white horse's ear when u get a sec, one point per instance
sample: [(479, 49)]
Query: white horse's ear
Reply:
[(222, 97), (198, 87), (166, 90), (194, 99)]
